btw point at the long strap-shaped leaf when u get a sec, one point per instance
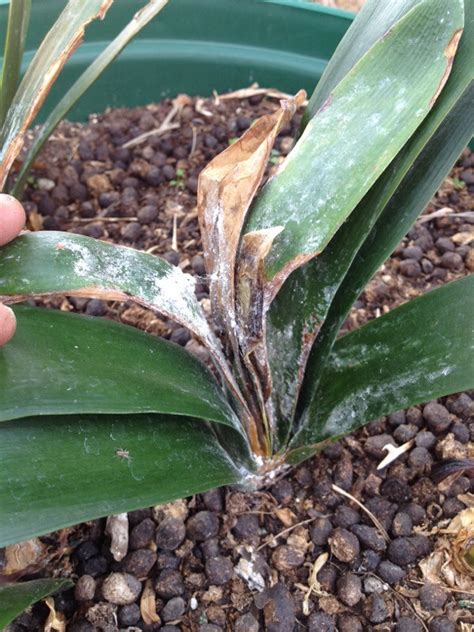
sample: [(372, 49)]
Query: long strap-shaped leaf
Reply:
[(55, 262), (372, 22), (139, 20), (14, 598), (302, 306), (18, 19), (396, 219), (366, 120), (56, 48), (65, 470), (227, 187), (417, 352), (61, 363)]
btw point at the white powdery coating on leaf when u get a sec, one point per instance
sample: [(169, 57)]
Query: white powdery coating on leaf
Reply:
[(168, 290), (354, 407), (367, 119)]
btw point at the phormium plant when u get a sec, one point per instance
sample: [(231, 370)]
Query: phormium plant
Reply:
[(99, 418)]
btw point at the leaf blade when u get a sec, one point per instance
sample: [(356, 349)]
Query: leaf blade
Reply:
[(371, 23), (395, 220), (377, 107), (55, 262), (301, 308), (15, 598), (60, 42), (66, 470), (417, 352), (61, 363), (106, 57), (18, 19)]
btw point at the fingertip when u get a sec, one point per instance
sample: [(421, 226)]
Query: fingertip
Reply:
[(12, 218), (7, 324)]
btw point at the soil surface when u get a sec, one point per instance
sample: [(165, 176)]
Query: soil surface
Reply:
[(299, 555)]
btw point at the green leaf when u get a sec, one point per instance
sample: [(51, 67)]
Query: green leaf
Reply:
[(14, 598), (61, 363), (400, 194), (55, 262), (18, 18), (65, 470), (417, 352), (84, 82), (58, 45), (364, 123), (410, 198), (370, 25)]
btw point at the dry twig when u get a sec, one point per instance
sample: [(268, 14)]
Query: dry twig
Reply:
[(313, 584), (275, 537), (444, 212), (393, 452), (255, 90), (166, 126), (376, 522)]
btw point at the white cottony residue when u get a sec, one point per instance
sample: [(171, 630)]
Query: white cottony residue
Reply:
[(150, 280), (247, 568), (388, 395)]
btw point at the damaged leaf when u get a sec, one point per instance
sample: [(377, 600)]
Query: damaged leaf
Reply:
[(319, 294), (226, 189), (102, 61), (148, 604), (52, 262), (56, 48), (365, 121)]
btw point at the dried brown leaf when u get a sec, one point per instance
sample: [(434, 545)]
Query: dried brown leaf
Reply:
[(226, 189), (463, 238), (450, 561), (255, 90), (19, 557), (286, 516), (313, 584), (148, 605), (56, 620)]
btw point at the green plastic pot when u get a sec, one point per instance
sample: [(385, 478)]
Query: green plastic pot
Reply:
[(195, 47)]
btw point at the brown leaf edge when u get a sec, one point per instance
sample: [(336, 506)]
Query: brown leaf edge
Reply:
[(13, 143), (226, 189)]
